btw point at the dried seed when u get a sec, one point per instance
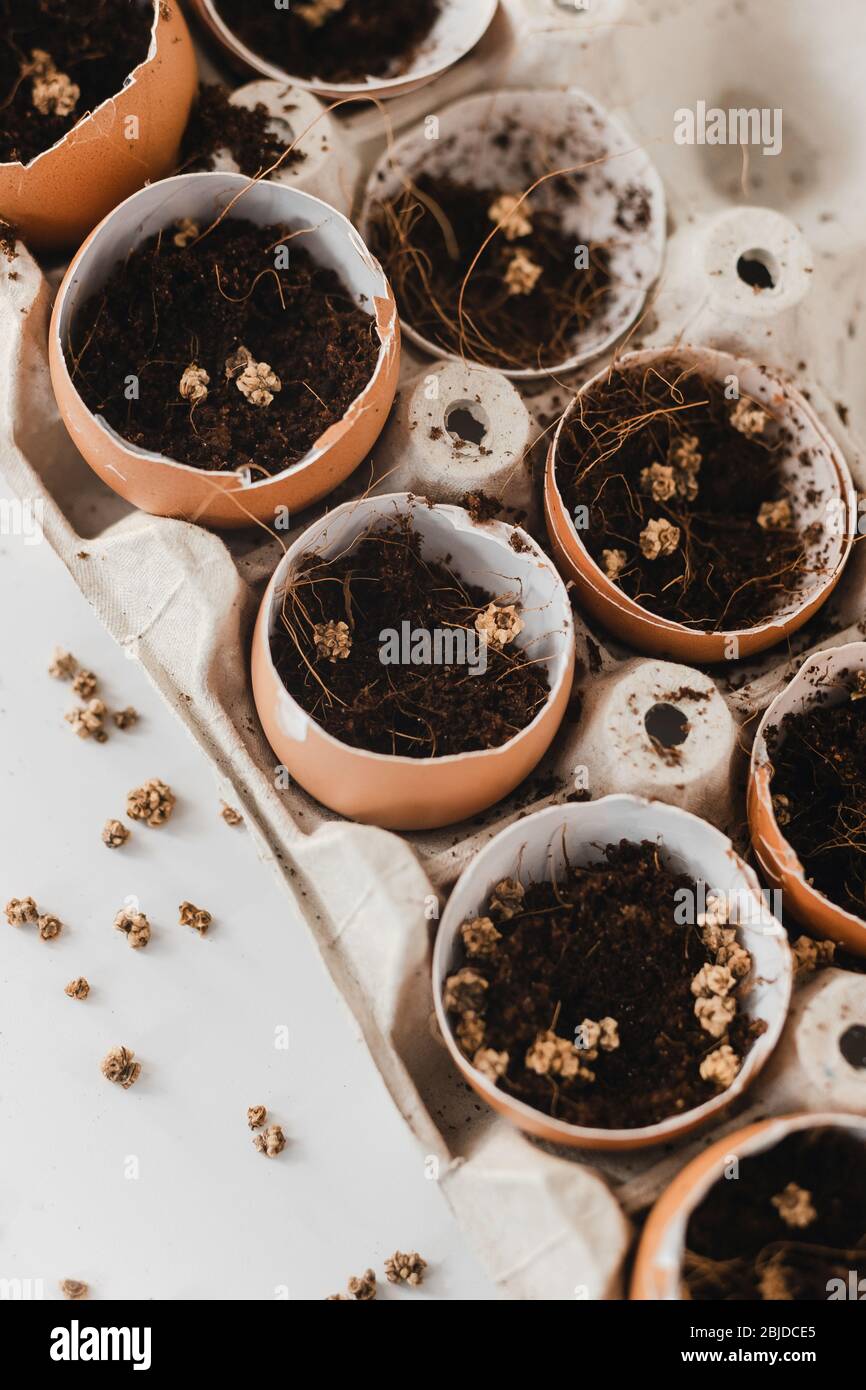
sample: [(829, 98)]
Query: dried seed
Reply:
[(119, 1066), (153, 802), (197, 917), (115, 834)]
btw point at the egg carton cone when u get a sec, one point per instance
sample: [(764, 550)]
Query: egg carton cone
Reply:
[(182, 600)]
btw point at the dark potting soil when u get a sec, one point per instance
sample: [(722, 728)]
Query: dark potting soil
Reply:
[(726, 571), (412, 710), (333, 42), (427, 256), (604, 942), (96, 44), (167, 307), (739, 1247), (819, 796), (216, 124)]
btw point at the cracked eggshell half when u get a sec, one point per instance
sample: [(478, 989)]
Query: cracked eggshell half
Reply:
[(543, 131), (161, 485), (460, 26), (537, 847), (403, 793), (821, 679), (61, 194), (659, 1261), (818, 485)]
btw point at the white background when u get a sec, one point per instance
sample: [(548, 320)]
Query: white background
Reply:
[(207, 1216)]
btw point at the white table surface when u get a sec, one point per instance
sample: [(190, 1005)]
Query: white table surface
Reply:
[(206, 1216)]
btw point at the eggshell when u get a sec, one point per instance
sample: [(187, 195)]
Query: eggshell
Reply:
[(62, 193), (460, 26), (813, 497), (161, 485), (817, 679), (658, 1264), (469, 149), (539, 845), (403, 793)]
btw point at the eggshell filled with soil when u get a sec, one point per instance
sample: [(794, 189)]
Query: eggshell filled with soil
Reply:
[(815, 479), (659, 1263), (130, 139), (823, 679), (539, 849), (569, 200), (457, 28), (405, 792), (159, 484)]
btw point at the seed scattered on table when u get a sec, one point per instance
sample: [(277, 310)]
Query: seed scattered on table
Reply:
[(73, 1288), (364, 1288), (88, 721), (271, 1143), (77, 988), (119, 1066), (197, 917), (230, 815), (256, 1116), (63, 665), (84, 684), (153, 802), (126, 718), (49, 926), (115, 834), (136, 927), (405, 1269), (20, 911)]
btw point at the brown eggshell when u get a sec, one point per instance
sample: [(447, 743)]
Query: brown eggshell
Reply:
[(160, 485), (658, 1265), (402, 793), (60, 195), (540, 844), (817, 679), (460, 26), (812, 498)]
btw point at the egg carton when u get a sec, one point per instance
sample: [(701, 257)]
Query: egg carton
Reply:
[(181, 600)]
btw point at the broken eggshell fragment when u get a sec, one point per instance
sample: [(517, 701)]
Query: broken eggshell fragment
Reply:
[(820, 678), (540, 846), (129, 140), (820, 491), (161, 485), (459, 27), (659, 1264), (403, 793)]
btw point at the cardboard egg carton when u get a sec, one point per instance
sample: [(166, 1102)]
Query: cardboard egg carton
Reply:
[(182, 600)]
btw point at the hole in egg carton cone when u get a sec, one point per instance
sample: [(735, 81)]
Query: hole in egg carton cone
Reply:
[(820, 1063), (468, 422), (852, 1045), (759, 269), (667, 725)]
